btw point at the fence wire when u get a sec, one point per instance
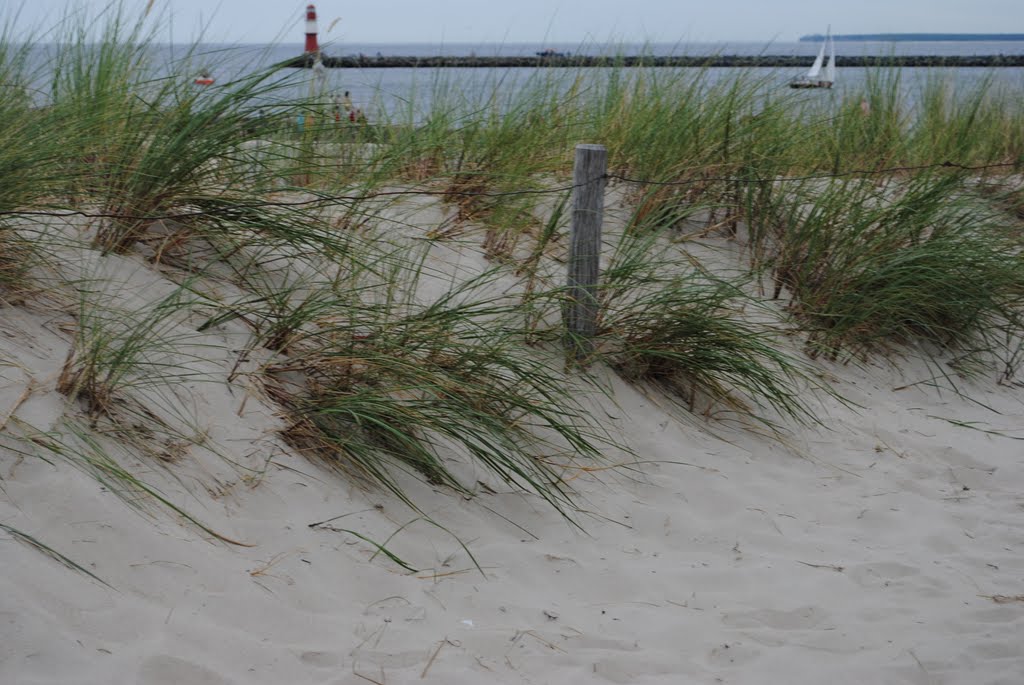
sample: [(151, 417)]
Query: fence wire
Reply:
[(322, 200)]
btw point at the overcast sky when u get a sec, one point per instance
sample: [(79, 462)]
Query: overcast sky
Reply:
[(476, 21)]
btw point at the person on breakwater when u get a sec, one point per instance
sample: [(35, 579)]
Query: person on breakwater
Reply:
[(347, 108)]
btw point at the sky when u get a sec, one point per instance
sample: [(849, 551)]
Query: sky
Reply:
[(563, 21)]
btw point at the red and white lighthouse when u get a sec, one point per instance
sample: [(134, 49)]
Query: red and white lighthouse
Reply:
[(311, 43)]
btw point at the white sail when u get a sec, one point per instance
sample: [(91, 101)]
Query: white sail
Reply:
[(817, 77), (830, 69), (818, 61)]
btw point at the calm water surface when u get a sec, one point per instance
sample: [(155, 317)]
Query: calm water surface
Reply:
[(392, 92)]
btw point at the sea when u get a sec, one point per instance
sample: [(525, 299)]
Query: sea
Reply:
[(390, 92)]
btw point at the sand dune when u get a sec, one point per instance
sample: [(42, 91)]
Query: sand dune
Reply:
[(882, 547)]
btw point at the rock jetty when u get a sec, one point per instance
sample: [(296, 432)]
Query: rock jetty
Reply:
[(795, 61)]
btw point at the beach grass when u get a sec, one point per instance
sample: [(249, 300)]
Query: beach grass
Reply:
[(376, 378), (387, 362), (869, 268), (696, 336)]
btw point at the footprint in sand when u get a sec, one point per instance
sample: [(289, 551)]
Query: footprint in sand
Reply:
[(990, 651), (627, 671), (397, 609), (321, 659), (732, 654), (366, 659), (801, 618), (1008, 613), (885, 574), (169, 670), (604, 644)]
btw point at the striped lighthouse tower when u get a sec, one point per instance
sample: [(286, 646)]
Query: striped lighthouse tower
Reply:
[(311, 44)]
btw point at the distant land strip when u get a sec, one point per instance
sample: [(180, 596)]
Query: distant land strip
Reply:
[(918, 37), (386, 62)]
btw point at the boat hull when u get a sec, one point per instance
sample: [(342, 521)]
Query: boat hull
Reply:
[(811, 84)]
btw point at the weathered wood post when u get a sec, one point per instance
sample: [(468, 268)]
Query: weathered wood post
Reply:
[(581, 307)]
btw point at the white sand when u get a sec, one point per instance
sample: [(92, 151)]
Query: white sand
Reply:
[(873, 551)]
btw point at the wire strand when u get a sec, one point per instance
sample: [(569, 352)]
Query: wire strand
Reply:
[(842, 174), (230, 207)]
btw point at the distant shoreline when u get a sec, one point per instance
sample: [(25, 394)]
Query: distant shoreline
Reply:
[(917, 37), (564, 61)]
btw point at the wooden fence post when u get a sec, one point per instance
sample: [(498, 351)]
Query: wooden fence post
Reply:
[(581, 306)]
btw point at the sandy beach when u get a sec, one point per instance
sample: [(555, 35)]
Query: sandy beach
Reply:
[(885, 545)]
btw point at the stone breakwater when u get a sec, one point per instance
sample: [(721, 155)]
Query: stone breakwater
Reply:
[(385, 62)]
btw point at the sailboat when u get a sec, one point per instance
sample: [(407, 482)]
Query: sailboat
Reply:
[(817, 77)]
